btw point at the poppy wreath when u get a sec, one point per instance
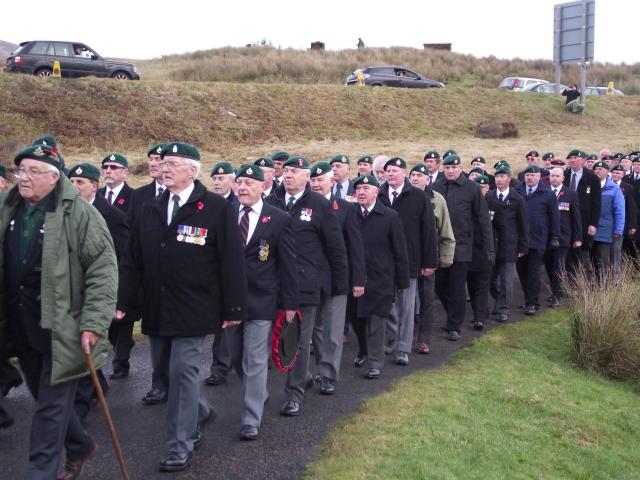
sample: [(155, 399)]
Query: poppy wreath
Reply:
[(275, 341)]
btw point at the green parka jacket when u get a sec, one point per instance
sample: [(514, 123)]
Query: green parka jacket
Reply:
[(79, 279)]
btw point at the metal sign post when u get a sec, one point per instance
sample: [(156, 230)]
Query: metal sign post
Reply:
[(573, 38)]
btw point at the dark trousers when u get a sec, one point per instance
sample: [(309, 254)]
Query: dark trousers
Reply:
[(502, 278), (478, 286), (578, 257), (160, 357), (450, 283), (121, 338), (425, 294), (528, 268), (554, 264), (54, 423), (86, 394), (601, 258)]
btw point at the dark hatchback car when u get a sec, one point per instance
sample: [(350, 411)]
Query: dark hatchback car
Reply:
[(392, 77), (76, 60)]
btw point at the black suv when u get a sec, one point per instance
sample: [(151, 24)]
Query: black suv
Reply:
[(76, 60), (392, 77)]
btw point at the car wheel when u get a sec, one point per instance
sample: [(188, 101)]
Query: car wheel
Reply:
[(121, 76), (43, 73), (376, 84)]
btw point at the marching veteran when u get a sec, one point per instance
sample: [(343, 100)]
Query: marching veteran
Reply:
[(186, 253), (58, 286)]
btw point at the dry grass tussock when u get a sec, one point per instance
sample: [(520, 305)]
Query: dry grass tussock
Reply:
[(606, 322), (274, 65)]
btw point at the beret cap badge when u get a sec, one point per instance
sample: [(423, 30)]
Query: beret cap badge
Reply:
[(249, 171), (398, 162), (112, 157), (38, 152), (159, 149), (220, 170), (79, 170), (365, 180), (175, 149)]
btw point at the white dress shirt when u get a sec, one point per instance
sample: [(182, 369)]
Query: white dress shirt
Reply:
[(296, 197), (158, 187), (391, 190), (505, 193), (254, 215), (184, 196), (116, 192)]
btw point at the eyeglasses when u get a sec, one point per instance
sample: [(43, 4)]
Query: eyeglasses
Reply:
[(112, 167), (30, 172), (171, 164)]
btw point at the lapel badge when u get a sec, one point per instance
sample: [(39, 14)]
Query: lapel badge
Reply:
[(263, 251), (11, 223)]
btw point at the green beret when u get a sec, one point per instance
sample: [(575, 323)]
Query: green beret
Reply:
[(532, 153), (250, 171), (420, 168), (3, 172), (42, 153), (179, 149), (601, 164), (366, 159), (296, 162), (264, 162), (532, 169), (451, 159), (366, 180), (432, 154), (280, 155), (617, 168), (576, 153), (222, 168), (482, 180), (449, 152), (502, 168), (479, 159), (320, 168), (341, 158), (548, 156), (84, 170), (46, 140), (396, 162), (636, 160), (618, 156), (116, 158), (156, 149), (477, 170), (500, 163)]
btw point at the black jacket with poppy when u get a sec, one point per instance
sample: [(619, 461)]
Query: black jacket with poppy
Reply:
[(386, 260), (589, 197), (510, 225), (189, 289), (347, 214), (319, 246), (140, 197), (124, 200), (570, 217), (419, 224), (270, 259)]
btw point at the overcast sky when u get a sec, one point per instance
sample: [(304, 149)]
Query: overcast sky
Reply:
[(137, 30)]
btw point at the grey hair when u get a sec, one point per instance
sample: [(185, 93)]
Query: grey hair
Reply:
[(194, 163), (380, 161), (52, 168)]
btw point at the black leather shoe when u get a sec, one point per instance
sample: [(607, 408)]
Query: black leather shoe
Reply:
[(175, 464), (402, 358), (530, 310), (523, 306), (554, 303), (154, 397), (119, 374), (478, 325), (453, 336), (372, 373), (359, 361), (217, 378), (249, 432), (327, 387), (502, 317), (291, 408)]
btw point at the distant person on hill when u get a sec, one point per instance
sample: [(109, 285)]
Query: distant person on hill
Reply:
[(573, 98), (360, 43)]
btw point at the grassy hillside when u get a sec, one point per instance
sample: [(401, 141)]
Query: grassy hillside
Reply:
[(272, 65), (93, 116)]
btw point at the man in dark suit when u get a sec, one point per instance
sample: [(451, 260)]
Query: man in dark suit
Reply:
[(432, 161), (85, 178), (510, 222), (630, 219), (141, 196), (365, 165), (544, 233), (115, 169), (533, 158), (270, 260), (570, 234), (187, 226), (116, 192), (343, 187), (467, 207), (586, 184), (278, 159), (222, 182), (387, 269), (421, 237), (631, 245), (320, 245), (267, 167), (327, 336)]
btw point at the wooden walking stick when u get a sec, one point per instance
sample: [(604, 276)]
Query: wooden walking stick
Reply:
[(107, 415)]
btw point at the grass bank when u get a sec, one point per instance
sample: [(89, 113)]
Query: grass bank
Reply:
[(511, 405)]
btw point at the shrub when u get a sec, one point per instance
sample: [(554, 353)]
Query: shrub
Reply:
[(495, 129), (605, 318)]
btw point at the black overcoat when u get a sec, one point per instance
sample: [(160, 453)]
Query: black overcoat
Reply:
[(124, 200), (570, 217), (589, 197), (510, 223), (347, 213)]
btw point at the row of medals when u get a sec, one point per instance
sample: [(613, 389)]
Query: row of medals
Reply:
[(191, 239)]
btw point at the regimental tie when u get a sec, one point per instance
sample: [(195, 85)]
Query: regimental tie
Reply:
[(501, 197), (530, 191), (110, 197), (395, 197), (428, 180), (338, 190), (176, 205), (572, 185), (244, 225), (365, 213), (556, 190), (160, 192), (290, 203)]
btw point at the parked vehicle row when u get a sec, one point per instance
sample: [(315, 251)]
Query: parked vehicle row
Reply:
[(537, 85)]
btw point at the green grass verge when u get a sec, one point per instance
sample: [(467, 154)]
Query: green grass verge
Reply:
[(510, 406)]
